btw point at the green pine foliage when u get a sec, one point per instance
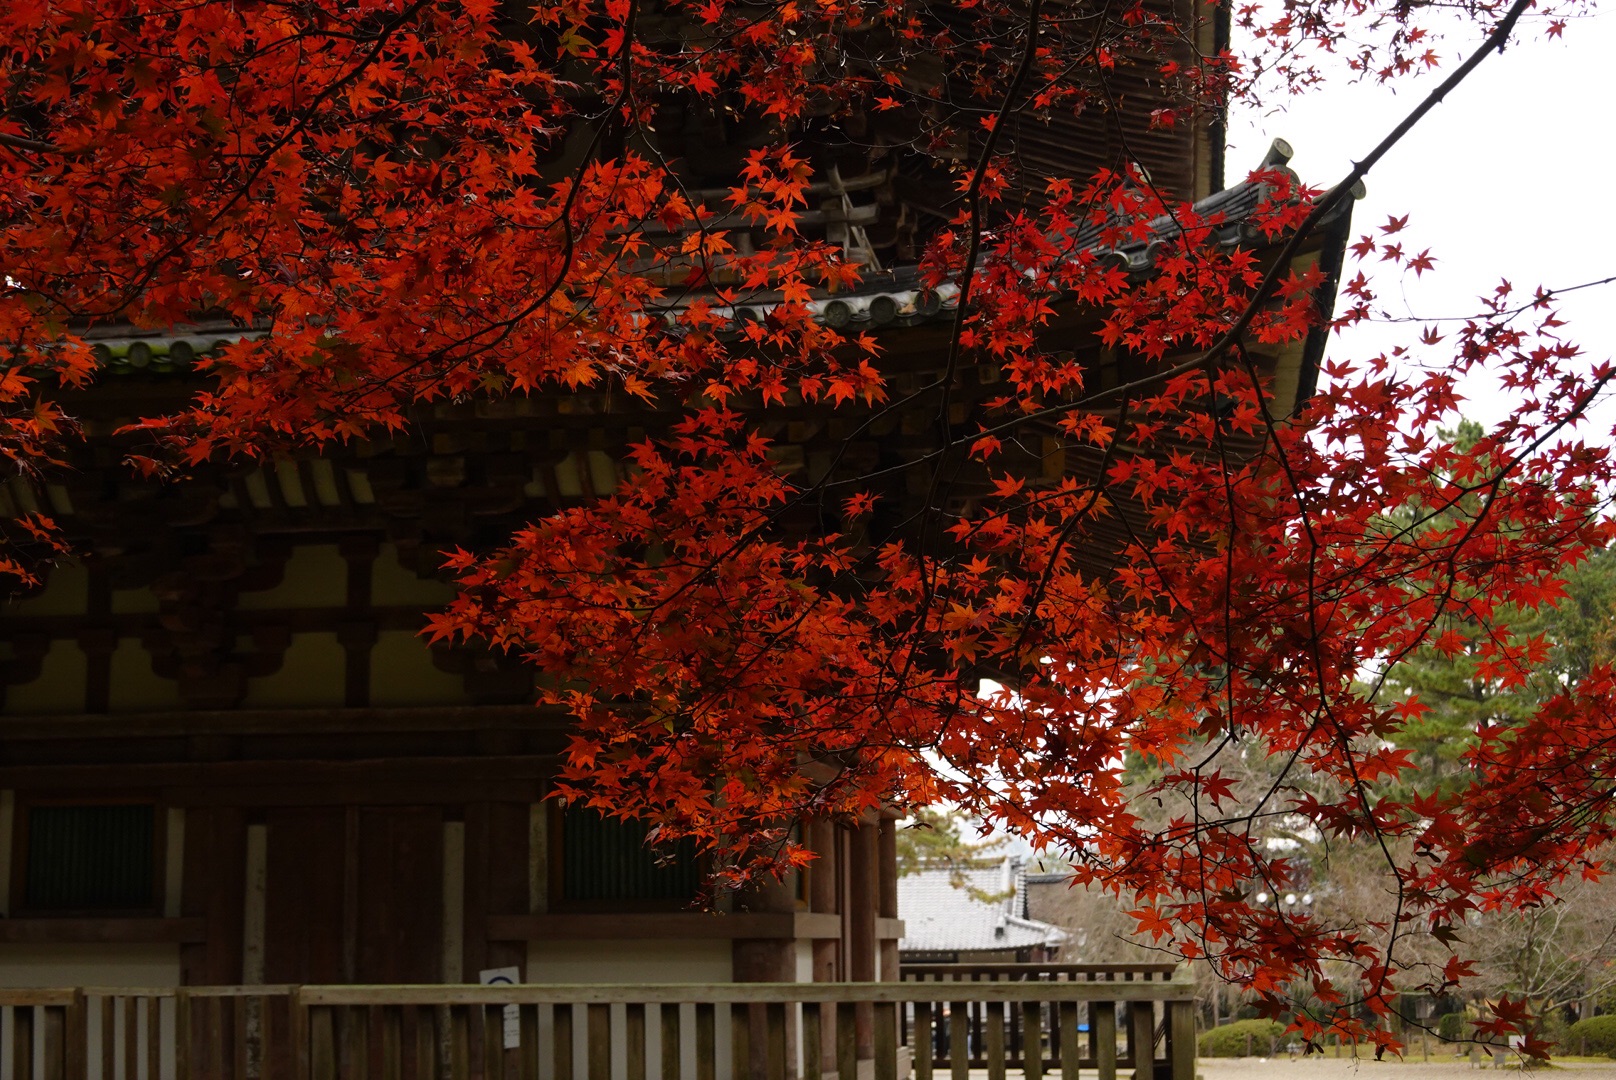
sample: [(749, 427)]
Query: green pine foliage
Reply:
[(1574, 633)]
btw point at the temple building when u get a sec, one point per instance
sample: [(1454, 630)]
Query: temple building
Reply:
[(227, 756)]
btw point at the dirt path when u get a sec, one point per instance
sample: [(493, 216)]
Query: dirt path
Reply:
[(1447, 1068)]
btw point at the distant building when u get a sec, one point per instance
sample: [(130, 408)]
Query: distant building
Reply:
[(1042, 893), (972, 915)]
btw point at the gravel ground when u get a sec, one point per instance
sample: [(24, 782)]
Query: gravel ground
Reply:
[(1446, 1068)]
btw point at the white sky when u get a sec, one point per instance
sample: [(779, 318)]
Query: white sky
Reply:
[(1512, 176)]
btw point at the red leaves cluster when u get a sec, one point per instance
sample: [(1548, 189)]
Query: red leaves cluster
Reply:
[(717, 676), (418, 201)]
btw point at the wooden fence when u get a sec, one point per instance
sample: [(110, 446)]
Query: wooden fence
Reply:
[(734, 1031), (994, 1038)]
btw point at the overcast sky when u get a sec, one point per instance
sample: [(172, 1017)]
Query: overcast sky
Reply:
[(1511, 177)]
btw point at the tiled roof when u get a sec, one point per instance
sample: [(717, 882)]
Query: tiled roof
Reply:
[(883, 298), (940, 916)]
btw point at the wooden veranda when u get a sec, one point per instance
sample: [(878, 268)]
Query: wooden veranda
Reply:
[(1103, 1020)]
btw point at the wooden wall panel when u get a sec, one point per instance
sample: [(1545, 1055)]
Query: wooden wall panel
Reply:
[(303, 895), (509, 835), (214, 882), (496, 881), (400, 895), (476, 891)]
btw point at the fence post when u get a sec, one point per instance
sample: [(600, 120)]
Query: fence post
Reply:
[(886, 1041), (1071, 1049), (959, 1033), (670, 1044), (995, 1041), (182, 1036), (813, 1044), (600, 1043), (846, 1041), (1181, 1039), (1103, 1036), (298, 1033), (1032, 1040), (1142, 1038), (634, 1038), (77, 1051)]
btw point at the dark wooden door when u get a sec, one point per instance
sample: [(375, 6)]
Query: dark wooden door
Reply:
[(304, 871), (354, 894), (400, 924)]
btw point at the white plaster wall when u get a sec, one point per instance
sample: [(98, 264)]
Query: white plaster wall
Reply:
[(633, 961), (629, 961), (97, 966), (89, 965)]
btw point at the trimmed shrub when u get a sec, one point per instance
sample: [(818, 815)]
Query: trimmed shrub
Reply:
[(1230, 1039), (1600, 1031), (1451, 1027)]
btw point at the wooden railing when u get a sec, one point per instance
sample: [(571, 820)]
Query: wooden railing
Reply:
[(978, 1034), (728, 1031)]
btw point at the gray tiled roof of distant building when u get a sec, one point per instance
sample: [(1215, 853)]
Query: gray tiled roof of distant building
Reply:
[(940, 917)]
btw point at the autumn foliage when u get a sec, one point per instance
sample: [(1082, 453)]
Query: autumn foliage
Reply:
[(427, 200)]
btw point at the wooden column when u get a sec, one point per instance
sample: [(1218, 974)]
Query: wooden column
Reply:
[(886, 874), (822, 895), (863, 905), (496, 882), (357, 632), (214, 877), (765, 960), (823, 890)]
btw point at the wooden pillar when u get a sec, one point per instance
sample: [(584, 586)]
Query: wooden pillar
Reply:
[(822, 897), (474, 897), (863, 906), (863, 903), (496, 883), (765, 960), (214, 886), (886, 875), (822, 871)]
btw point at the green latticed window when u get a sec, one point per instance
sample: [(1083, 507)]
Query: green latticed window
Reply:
[(608, 861), (90, 858)]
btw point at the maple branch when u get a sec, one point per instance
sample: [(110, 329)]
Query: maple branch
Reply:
[(1540, 299), (502, 329), (973, 196), (18, 142), (1322, 208), (1360, 169)]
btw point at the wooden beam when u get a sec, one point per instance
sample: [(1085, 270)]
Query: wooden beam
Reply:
[(1181, 990), (453, 718), (672, 926), (46, 931), (254, 783)]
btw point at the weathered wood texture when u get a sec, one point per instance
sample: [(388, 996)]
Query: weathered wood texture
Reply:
[(303, 903), (593, 1032), (1043, 1037), (400, 855)]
